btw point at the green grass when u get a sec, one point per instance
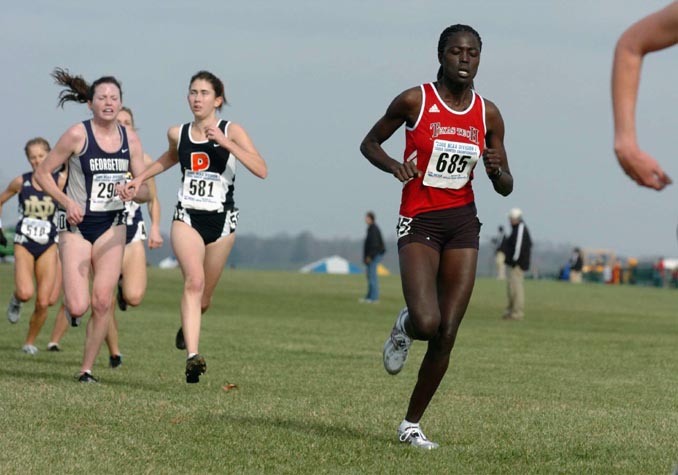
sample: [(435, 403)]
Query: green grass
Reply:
[(586, 384)]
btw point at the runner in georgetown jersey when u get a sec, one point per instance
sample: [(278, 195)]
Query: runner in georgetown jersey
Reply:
[(92, 178), (99, 153)]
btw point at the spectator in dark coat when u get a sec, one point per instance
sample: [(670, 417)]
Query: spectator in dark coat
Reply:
[(576, 266), (373, 252), (518, 248)]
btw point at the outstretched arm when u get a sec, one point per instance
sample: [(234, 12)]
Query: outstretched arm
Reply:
[(166, 160), (654, 32)]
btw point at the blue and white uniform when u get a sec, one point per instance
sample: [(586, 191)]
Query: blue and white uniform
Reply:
[(136, 228), (92, 177), (36, 230), (207, 183)]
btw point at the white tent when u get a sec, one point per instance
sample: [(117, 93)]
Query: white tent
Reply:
[(169, 262), (332, 265), (670, 263)]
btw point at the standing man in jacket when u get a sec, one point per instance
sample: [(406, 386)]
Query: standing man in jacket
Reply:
[(373, 252), (576, 266), (518, 248)]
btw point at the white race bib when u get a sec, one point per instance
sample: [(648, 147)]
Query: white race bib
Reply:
[(103, 196), (404, 226), (451, 164), (36, 229), (60, 219), (203, 191)]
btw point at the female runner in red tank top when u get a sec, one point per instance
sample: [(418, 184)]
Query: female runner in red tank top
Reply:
[(449, 127)]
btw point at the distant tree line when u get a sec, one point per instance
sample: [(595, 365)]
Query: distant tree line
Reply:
[(291, 252)]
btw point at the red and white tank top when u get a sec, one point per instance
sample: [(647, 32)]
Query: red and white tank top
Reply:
[(445, 145)]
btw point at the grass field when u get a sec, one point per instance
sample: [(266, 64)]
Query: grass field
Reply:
[(586, 384)]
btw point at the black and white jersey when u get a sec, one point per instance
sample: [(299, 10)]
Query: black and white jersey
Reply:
[(207, 173)]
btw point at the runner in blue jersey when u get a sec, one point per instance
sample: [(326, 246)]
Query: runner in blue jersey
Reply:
[(132, 282), (35, 250), (92, 229)]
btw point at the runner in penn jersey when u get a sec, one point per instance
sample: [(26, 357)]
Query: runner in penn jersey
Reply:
[(92, 228), (205, 217), (35, 249), (449, 128)]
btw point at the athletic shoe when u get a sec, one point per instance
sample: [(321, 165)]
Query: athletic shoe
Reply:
[(115, 360), (29, 349), (179, 340), (53, 346), (195, 366), (13, 310), (87, 377), (122, 304), (414, 436), (397, 345), (75, 321)]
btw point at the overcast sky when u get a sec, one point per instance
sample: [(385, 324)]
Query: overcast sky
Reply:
[(307, 79)]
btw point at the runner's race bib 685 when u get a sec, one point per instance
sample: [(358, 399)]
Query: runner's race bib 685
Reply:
[(451, 164)]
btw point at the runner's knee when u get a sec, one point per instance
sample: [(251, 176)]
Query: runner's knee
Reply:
[(24, 293), (425, 324)]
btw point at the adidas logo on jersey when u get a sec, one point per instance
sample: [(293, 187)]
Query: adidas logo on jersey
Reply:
[(434, 108), (27, 183)]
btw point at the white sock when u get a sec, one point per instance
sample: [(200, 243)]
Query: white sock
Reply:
[(191, 355), (405, 424)]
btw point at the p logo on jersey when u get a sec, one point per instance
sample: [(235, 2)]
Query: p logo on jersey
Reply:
[(199, 161)]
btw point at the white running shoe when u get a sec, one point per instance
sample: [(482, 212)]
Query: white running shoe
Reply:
[(397, 345), (29, 349), (414, 436), (13, 310)]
